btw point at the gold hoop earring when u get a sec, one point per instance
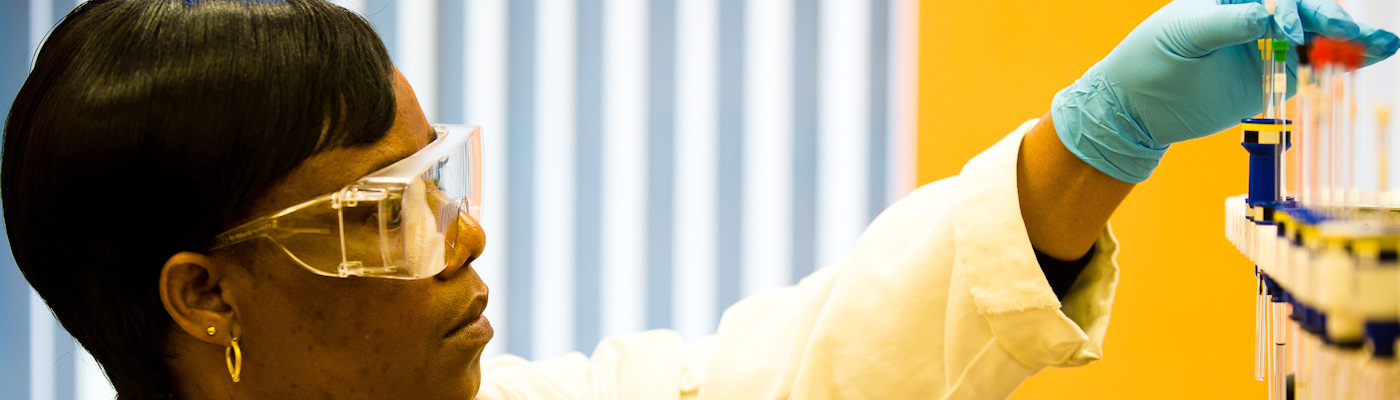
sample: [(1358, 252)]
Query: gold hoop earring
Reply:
[(210, 331), (233, 358)]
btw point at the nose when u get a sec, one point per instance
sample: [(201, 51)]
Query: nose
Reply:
[(465, 242)]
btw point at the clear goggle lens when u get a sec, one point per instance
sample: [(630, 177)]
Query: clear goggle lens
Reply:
[(394, 223)]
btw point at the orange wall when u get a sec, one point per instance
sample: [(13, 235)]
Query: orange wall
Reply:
[(1183, 316)]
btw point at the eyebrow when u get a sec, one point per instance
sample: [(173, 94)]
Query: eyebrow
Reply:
[(432, 137), (388, 162), (432, 134)]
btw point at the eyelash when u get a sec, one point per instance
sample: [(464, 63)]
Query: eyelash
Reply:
[(370, 217), (434, 173), (396, 216)]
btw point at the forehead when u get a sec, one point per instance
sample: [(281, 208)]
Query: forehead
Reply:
[(330, 170)]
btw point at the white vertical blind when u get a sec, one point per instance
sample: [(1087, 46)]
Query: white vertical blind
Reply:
[(554, 184), (767, 180), (416, 54), (624, 185), (41, 321), (486, 46), (843, 146), (41, 354), (697, 167)]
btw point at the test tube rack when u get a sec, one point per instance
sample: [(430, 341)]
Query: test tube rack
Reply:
[(1339, 280), (1327, 268)]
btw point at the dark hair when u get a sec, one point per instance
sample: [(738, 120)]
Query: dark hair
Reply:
[(148, 127)]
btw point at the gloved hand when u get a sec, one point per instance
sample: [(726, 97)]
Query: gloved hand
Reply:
[(1190, 70)]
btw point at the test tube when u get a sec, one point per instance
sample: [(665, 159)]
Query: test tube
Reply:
[(1349, 59), (1269, 67), (1321, 139), (1382, 150), (1298, 347), (1322, 126), (1307, 136), (1278, 70), (1260, 334), (1280, 378), (1314, 358), (1328, 113), (1261, 337), (1373, 375), (1274, 53), (1278, 92), (1321, 370), (1326, 69), (1332, 61), (1337, 125), (1271, 358), (1267, 75), (1343, 123)]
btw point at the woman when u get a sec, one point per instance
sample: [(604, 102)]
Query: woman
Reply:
[(250, 108), (242, 174)]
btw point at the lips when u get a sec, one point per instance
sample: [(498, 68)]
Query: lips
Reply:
[(472, 326)]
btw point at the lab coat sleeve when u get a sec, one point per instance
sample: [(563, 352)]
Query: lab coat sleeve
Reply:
[(942, 297)]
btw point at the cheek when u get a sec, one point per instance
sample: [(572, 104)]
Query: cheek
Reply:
[(341, 333)]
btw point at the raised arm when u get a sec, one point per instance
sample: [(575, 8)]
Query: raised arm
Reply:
[(1064, 201), (1190, 70)]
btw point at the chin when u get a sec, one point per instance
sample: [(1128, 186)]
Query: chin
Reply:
[(470, 381), (473, 379)]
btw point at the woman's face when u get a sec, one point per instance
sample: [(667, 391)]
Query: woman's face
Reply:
[(303, 335)]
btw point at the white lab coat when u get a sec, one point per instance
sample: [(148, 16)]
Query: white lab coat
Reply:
[(942, 297)]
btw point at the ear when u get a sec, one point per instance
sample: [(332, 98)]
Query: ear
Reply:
[(195, 291)]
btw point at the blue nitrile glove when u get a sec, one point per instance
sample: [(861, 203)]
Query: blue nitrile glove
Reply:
[(1190, 70)]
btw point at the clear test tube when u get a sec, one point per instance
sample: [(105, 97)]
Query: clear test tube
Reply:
[(1374, 385), (1323, 170), (1347, 387), (1307, 153), (1267, 75), (1307, 139), (1390, 380), (1299, 349), (1278, 92), (1270, 358), (1337, 381), (1314, 368), (1370, 293), (1337, 59), (1382, 155), (1320, 105), (1349, 57), (1269, 372), (1280, 339), (1343, 123), (1371, 374), (1322, 371), (1297, 280), (1260, 329), (1327, 134), (1327, 142), (1340, 134), (1278, 78)]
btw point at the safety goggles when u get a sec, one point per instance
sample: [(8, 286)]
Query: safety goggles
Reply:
[(392, 223)]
